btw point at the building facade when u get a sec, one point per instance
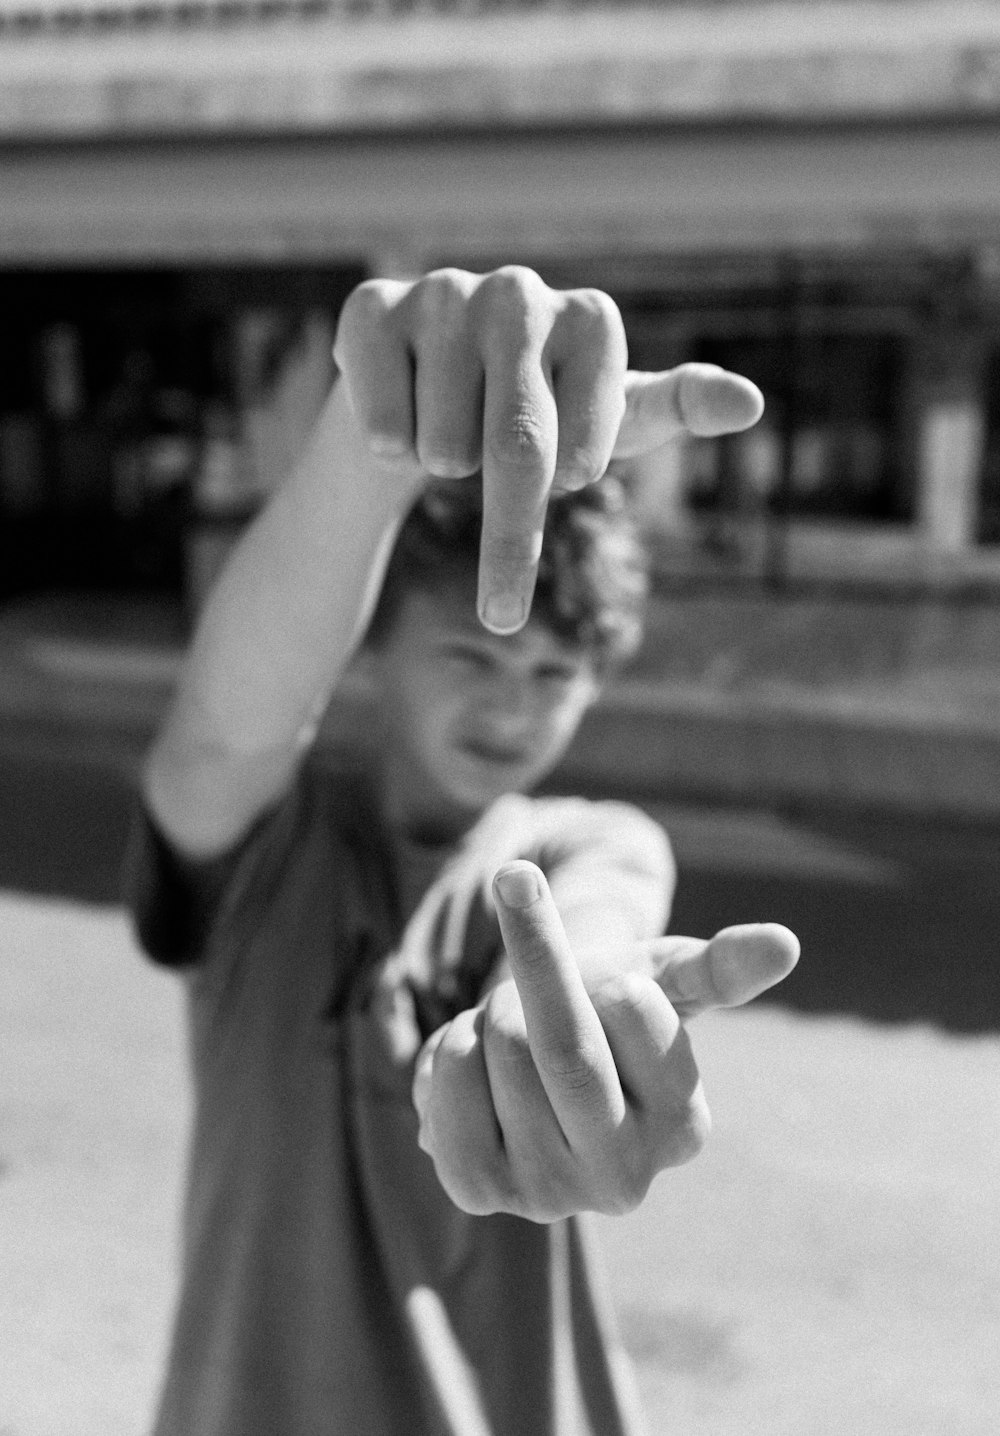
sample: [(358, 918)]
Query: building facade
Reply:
[(809, 193)]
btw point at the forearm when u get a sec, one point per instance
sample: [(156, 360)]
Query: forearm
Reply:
[(613, 888), (609, 918), (277, 632), (606, 940)]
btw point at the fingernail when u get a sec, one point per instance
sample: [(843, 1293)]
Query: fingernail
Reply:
[(569, 483), (388, 446), (446, 466), (518, 886), (504, 612)]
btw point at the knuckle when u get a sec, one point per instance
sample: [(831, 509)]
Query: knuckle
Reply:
[(368, 303), (584, 462), (689, 1130), (624, 994), (373, 295), (542, 1196), (480, 1189), (514, 286), (440, 296), (589, 312), (519, 440), (622, 1169), (508, 1051), (636, 1169), (611, 1206), (504, 1031), (626, 1194), (513, 307), (572, 1063), (450, 279), (455, 1047)]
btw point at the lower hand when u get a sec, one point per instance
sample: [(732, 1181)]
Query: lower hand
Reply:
[(547, 1099)]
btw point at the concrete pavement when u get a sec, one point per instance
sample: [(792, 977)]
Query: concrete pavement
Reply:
[(830, 1265)]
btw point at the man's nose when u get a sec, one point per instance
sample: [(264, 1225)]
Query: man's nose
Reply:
[(509, 699)]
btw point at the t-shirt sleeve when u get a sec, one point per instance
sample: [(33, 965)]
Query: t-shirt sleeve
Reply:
[(178, 903), (607, 858)]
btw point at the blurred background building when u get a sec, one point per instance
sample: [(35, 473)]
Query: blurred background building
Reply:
[(808, 192)]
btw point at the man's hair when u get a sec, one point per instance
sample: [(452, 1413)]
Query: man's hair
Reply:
[(592, 575)]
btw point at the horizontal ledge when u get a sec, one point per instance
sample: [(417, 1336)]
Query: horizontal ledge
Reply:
[(695, 64)]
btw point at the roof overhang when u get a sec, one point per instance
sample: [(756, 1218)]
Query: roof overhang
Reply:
[(192, 69), (494, 198)]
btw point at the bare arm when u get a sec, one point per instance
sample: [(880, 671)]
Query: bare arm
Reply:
[(612, 875), (549, 1098), (275, 636), (443, 375)]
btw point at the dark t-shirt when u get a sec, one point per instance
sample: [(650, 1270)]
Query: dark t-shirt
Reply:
[(329, 1285)]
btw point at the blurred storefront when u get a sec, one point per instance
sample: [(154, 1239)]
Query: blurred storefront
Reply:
[(807, 193), (147, 412)]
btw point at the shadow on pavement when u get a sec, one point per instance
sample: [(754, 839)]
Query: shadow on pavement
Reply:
[(906, 933), (920, 946), (63, 826)]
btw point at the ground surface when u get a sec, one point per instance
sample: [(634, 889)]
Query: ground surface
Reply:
[(831, 1263)]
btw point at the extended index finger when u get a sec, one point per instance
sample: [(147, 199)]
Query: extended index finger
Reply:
[(565, 1034)]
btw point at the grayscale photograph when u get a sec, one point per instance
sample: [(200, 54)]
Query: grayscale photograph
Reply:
[(499, 718)]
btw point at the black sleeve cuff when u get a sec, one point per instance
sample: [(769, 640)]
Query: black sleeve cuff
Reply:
[(173, 900)]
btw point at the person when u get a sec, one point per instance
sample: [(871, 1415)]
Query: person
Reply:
[(433, 1018)]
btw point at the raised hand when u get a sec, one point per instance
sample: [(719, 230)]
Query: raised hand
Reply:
[(455, 372), (547, 1099)]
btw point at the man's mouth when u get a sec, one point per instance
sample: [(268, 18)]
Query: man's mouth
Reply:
[(499, 754)]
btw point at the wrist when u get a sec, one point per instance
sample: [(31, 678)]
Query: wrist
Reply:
[(393, 477)]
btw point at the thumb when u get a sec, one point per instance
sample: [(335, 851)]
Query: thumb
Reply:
[(735, 966), (699, 399)]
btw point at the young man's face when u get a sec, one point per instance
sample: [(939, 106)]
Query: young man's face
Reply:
[(470, 715)]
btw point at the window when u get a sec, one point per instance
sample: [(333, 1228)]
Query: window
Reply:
[(136, 404), (829, 443), (827, 340), (989, 510)]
